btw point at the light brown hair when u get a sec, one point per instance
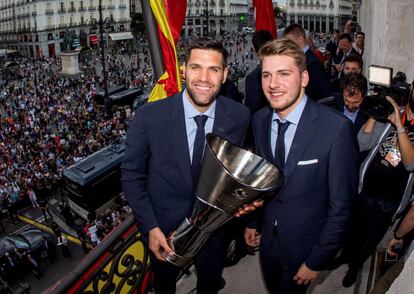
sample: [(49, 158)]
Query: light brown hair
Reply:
[(284, 47)]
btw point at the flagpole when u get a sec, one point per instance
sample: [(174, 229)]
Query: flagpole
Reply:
[(153, 39)]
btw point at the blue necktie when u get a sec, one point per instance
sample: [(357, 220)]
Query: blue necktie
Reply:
[(280, 144), (198, 149)]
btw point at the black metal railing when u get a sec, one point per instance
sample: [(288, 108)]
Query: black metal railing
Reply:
[(120, 264)]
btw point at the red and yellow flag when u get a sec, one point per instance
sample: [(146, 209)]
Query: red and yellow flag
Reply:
[(265, 16), (170, 15)]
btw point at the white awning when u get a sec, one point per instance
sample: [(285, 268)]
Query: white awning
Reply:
[(120, 36)]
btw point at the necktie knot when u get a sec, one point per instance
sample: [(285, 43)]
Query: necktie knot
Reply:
[(283, 126), (200, 120)]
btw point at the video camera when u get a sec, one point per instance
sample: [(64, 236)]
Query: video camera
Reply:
[(380, 77)]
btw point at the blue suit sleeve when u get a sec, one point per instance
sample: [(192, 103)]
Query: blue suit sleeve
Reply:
[(135, 172), (342, 180)]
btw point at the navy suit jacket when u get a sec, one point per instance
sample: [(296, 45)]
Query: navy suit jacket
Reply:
[(156, 169), (319, 86), (313, 208), (340, 56), (255, 98)]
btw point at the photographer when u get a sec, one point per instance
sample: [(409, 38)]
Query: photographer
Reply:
[(386, 180)]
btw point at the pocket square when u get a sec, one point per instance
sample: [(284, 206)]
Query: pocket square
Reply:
[(307, 162)]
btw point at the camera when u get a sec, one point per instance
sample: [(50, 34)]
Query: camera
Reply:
[(380, 77)]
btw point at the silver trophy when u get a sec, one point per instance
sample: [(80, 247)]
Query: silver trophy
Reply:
[(230, 178)]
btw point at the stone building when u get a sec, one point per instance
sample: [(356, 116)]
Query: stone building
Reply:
[(319, 15), (38, 27)]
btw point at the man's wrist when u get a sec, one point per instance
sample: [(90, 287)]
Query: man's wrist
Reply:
[(400, 131)]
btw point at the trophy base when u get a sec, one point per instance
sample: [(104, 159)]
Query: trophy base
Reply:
[(176, 259)]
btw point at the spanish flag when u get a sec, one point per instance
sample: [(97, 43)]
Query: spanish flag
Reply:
[(170, 15), (265, 16)]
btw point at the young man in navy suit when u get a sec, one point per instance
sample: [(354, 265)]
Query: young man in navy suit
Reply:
[(158, 174), (303, 226)]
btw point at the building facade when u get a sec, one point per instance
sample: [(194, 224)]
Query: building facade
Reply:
[(37, 28), (215, 17), (322, 16)]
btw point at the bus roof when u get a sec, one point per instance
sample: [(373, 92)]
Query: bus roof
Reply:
[(95, 165)]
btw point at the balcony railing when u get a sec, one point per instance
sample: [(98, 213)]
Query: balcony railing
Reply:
[(71, 9), (120, 262), (62, 10), (34, 13), (110, 6), (82, 8), (49, 28), (49, 11), (90, 8), (122, 6)]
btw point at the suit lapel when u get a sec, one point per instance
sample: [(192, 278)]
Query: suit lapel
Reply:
[(303, 136), (222, 122), (178, 139), (267, 130)]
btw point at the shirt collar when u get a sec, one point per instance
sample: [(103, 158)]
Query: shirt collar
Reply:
[(305, 49), (190, 111), (294, 116)]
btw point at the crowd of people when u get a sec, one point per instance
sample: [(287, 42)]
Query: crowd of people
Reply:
[(46, 128), (99, 226), (48, 122)]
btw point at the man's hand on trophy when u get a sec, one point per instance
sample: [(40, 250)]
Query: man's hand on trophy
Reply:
[(252, 237), (248, 208), (158, 242)]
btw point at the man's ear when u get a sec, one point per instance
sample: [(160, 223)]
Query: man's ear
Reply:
[(305, 79), (225, 74), (184, 68)]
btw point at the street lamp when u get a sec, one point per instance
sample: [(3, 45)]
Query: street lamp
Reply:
[(206, 13), (101, 23)]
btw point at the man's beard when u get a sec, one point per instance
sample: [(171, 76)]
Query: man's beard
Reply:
[(213, 97), (290, 103)]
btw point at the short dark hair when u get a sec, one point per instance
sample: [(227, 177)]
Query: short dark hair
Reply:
[(260, 38), (207, 43), (360, 33), (295, 29), (345, 36), (354, 58), (354, 81)]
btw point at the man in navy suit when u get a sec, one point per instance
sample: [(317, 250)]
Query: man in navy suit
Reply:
[(352, 102), (318, 86), (254, 98), (346, 49), (303, 226), (157, 173)]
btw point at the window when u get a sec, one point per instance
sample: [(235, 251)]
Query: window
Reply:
[(61, 5), (49, 21), (82, 19)]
